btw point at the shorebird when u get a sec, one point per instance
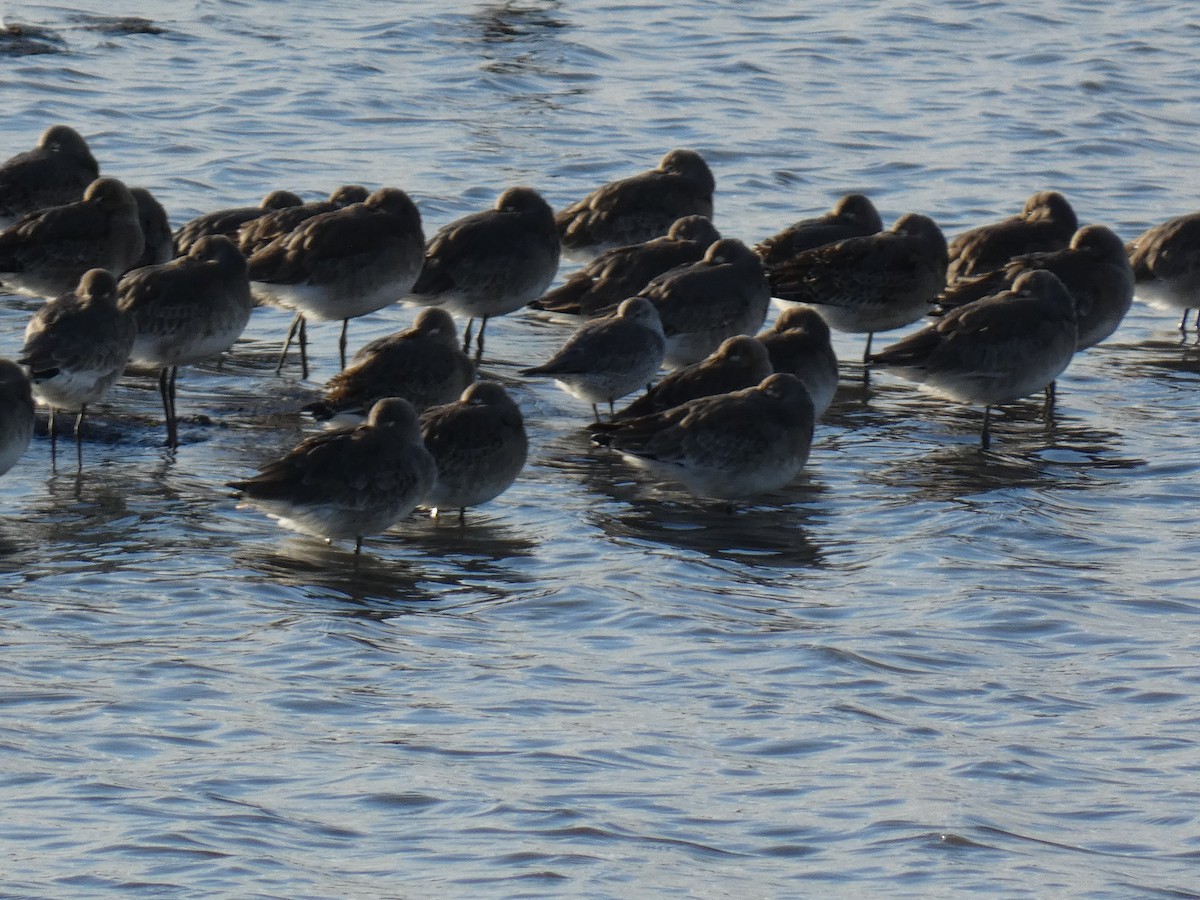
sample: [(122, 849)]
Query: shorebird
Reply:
[(76, 346), (422, 364), (994, 350), (872, 283), (852, 216), (1166, 266), (342, 264), (641, 207), (261, 230), (349, 483), (16, 414), (621, 272), (799, 343), (609, 357), (47, 252), (740, 362), (54, 173), (1094, 269), (226, 222), (725, 447), (158, 245), (186, 311), (1046, 223), (491, 263), (479, 445)]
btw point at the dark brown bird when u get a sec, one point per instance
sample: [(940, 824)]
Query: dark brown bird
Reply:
[(226, 222), (872, 283), (186, 311), (1094, 269), (639, 208), (479, 445), (491, 263), (621, 272), (1046, 223), (1166, 266), (701, 304), (422, 364), (799, 343), (740, 362), (55, 172), (261, 230), (47, 252), (852, 216)]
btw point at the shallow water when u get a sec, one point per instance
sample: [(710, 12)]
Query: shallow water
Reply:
[(921, 669)]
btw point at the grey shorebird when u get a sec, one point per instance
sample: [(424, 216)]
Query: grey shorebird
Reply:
[(994, 350), (186, 311), (799, 343), (158, 246), (423, 364), (1166, 266), (492, 262), (342, 264), (609, 357), (226, 222), (867, 284), (47, 252), (1047, 222), (726, 447), (1094, 269), (256, 233), (701, 304), (640, 207), (16, 414), (479, 445), (54, 173), (740, 362), (350, 483), (76, 346), (854, 215), (599, 287)]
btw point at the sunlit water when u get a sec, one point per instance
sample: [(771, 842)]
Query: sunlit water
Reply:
[(921, 670)]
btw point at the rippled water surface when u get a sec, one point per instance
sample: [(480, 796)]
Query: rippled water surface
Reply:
[(921, 670)]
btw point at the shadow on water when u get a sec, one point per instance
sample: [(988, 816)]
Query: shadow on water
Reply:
[(439, 561), (374, 586), (1026, 452), (766, 531)]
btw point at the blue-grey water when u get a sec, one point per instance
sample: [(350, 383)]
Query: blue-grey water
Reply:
[(921, 670)]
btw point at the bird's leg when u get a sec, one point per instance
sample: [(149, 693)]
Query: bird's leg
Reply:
[(53, 442), (342, 342), (79, 435), (467, 335), (303, 348), (985, 436), (166, 387), (287, 342), (479, 340)]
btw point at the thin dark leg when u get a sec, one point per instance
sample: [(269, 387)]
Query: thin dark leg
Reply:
[(985, 437), (1051, 396), (53, 440), (357, 546), (867, 351), (479, 340), (611, 410), (79, 435), (595, 414), (287, 342), (166, 387), (467, 336), (342, 342), (462, 517), (1183, 322), (304, 348)]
